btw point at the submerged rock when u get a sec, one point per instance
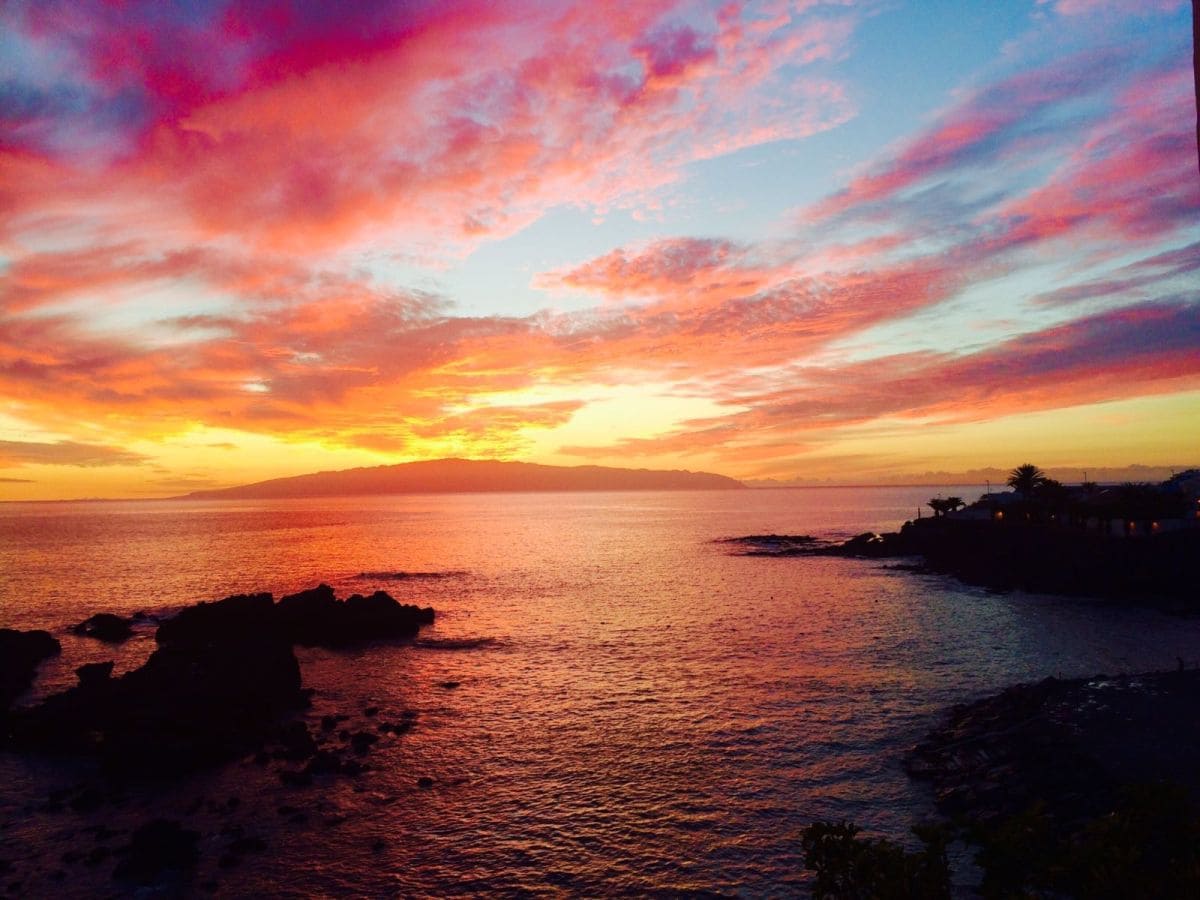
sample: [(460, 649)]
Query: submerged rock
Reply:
[(107, 627), (21, 652)]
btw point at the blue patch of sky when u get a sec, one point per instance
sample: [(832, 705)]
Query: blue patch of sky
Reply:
[(901, 67), (496, 279)]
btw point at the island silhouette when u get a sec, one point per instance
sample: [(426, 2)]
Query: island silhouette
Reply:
[(468, 476)]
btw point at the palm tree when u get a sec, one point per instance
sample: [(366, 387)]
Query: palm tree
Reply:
[(1026, 478), (940, 507)]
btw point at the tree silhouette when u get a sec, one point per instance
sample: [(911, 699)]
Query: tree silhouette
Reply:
[(1026, 478), (940, 507)]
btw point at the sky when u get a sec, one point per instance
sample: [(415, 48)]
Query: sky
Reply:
[(822, 240)]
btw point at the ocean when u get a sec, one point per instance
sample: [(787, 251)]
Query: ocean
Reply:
[(611, 701)]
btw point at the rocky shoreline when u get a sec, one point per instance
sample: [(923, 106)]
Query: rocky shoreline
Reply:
[(1069, 788), (1068, 744), (1083, 788), (1155, 570), (221, 700)]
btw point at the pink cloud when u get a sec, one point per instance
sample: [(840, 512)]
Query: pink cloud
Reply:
[(455, 124), (975, 129), (464, 122)]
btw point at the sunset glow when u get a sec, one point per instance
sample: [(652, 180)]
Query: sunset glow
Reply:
[(850, 241)]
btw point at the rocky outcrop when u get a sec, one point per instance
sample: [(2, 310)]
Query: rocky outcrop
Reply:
[(317, 618), (1082, 788), (1038, 558), (206, 694), (92, 674), (21, 652), (1060, 560), (158, 846), (111, 629), (1064, 744), (218, 620), (223, 675)]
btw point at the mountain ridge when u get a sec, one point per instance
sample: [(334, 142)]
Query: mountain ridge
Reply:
[(467, 476)]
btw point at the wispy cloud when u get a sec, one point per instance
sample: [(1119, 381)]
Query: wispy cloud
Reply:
[(65, 453)]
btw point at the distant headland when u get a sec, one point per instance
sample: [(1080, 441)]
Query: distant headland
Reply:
[(469, 476)]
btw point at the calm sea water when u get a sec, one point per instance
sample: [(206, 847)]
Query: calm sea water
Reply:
[(639, 711)]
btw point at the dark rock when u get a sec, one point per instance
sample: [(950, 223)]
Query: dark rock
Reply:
[(396, 728), (157, 846), (371, 711), (306, 615), (250, 844), (92, 674), (1047, 559), (223, 674), (361, 741), (424, 782), (325, 762), (296, 743), (1065, 744), (87, 800), (238, 848), (214, 688), (317, 618), (21, 652), (291, 778), (449, 685), (221, 620), (111, 629)]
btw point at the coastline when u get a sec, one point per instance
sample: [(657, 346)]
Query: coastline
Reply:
[(412, 760), (1081, 787), (1156, 570), (168, 777)]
